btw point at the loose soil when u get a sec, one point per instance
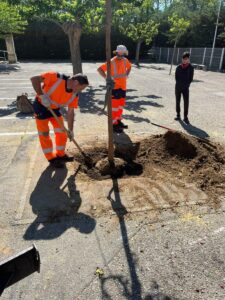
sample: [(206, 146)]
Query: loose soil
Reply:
[(175, 154)]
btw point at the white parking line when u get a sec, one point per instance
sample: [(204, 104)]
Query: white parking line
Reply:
[(15, 118), (29, 176), (18, 133), (6, 98)]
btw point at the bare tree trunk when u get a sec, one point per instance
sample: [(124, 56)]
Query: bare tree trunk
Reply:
[(174, 48), (10, 49), (74, 30), (108, 5), (137, 56)]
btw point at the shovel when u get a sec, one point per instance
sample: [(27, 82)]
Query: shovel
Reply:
[(87, 159)]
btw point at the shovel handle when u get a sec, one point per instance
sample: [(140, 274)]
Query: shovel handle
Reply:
[(65, 129)]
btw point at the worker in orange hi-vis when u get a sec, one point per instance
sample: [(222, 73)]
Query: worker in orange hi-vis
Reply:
[(120, 69), (54, 91)]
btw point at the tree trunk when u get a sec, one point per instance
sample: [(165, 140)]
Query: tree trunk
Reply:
[(137, 56), (108, 5), (74, 30), (174, 48), (10, 49)]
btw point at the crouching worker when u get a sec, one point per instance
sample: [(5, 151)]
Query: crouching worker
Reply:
[(56, 90)]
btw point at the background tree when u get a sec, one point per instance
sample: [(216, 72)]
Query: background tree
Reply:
[(10, 22), (73, 16), (178, 26), (136, 21)]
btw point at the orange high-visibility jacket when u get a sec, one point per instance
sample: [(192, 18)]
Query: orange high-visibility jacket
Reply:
[(55, 87), (119, 68)]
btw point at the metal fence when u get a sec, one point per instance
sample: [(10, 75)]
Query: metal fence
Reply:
[(200, 56)]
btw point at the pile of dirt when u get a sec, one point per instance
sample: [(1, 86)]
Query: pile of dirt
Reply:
[(192, 159), (175, 154), (180, 145)]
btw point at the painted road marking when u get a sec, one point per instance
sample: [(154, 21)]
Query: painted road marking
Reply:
[(205, 238), (15, 118), (7, 107), (18, 133), (23, 197), (6, 98)]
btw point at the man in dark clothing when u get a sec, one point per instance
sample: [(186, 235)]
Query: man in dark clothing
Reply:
[(184, 76)]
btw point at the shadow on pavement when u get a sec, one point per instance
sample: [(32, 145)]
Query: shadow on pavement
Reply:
[(88, 104), (131, 288), (11, 109), (136, 119), (8, 68), (52, 204), (7, 111), (136, 105), (196, 80), (194, 130)]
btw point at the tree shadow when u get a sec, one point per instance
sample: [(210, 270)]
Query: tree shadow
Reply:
[(194, 130), (136, 105), (8, 68), (7, 111), (88, 104), (136, 119), (130, 290), (11, 109), (53, 206)]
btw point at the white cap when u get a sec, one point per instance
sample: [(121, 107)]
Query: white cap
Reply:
[(122, 49)]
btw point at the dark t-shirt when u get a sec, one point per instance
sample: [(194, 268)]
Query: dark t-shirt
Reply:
[(184, 76)]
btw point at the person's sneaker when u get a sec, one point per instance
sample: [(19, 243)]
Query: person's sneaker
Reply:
[(117, 128), (177, 118), (56, 163), (65, 158), (122, 125), (186, 121)]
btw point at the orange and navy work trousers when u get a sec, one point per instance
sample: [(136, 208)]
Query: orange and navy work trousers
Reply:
[(45, 139), (118, 102)]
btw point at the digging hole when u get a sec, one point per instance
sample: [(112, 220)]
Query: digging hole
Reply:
[(173, 154)]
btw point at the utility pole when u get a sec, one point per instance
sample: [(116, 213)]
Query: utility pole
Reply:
[(215, 34)]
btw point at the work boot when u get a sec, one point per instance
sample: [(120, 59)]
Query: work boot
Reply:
[(122, 125), (117, 128), (186, 120), (177, 118), (65, 158), (56, 163)]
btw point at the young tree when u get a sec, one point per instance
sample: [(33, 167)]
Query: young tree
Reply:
[(178, 26), (108, 7), (10, 22), (136, 21)]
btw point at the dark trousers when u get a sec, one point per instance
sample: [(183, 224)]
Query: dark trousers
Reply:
[(185, 93)]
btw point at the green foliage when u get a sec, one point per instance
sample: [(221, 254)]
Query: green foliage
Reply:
[(178, 26), (88, 13), (136, 20), (10, 19)]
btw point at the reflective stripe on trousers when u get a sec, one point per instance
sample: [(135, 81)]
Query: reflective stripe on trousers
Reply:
[(46, 141), (118, 102)]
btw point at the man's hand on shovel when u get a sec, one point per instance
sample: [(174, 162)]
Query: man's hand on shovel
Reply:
[(70, 135)]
